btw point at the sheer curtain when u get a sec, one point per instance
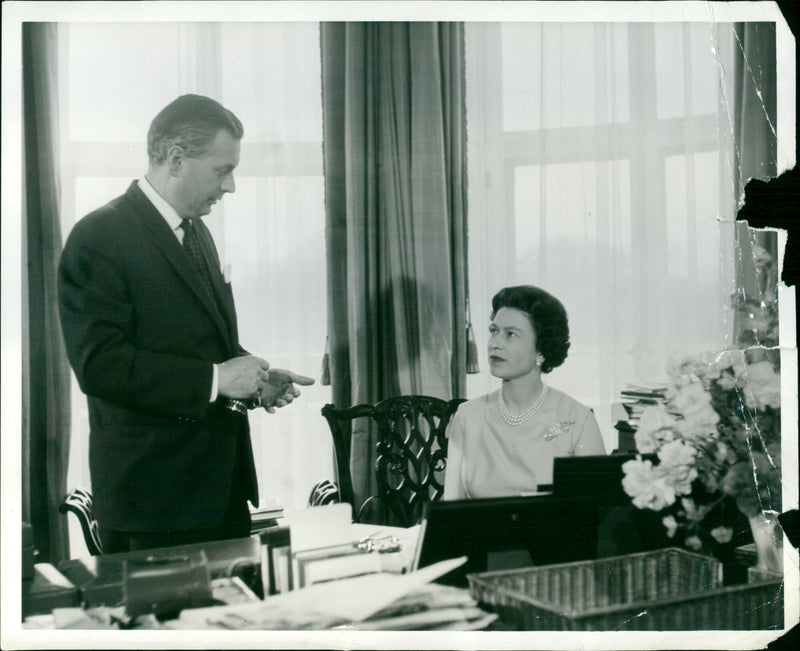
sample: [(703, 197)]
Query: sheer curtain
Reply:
[(270, 231), (601, 166)]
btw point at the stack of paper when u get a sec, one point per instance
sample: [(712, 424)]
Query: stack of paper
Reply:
[(626, 414), (328, 605), (431, 607)]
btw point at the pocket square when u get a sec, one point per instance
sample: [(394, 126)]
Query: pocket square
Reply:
[(226, 273)]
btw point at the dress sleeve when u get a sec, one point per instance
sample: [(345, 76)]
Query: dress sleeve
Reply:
[(453, 487), (589, 440)]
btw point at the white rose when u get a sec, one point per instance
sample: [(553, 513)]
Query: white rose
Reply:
[(692, 511), (677, 453), (671, 525), (677, 462), (699, 417), (655, 426), (727, 359), (722, 453), (649, 487), (693, 542), (762, 386), (726, 381), (722, 534)]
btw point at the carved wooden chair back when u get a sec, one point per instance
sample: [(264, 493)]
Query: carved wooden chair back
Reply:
[(411, 455)]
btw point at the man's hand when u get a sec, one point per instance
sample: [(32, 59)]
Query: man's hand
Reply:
[(279, 390), (243, 377)]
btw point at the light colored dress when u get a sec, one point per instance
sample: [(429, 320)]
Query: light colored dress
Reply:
[(486, 457)]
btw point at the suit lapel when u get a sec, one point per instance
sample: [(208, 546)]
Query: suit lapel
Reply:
[(221, 288), (164, 239)]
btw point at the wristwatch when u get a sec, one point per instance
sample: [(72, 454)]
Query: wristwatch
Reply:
[(242, 406)]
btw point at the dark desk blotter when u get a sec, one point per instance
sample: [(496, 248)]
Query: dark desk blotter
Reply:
[(100, 578)]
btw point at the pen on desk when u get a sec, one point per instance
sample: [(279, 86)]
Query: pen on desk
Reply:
[(164, 560)]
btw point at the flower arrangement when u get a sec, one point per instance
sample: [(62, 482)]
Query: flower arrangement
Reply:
[(717, 436)]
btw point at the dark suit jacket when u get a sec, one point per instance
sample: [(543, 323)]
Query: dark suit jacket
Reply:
[(142, 335)]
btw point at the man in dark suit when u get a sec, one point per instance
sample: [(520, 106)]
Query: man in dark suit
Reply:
[(150, 330)]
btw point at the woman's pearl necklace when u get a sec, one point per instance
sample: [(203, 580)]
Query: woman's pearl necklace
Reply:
[(515, 420)]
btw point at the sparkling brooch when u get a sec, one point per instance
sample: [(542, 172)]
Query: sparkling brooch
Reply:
[(556, 430)]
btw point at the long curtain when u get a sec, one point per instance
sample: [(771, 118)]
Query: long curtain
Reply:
[(756, 142), (395, 196), (46, 374)]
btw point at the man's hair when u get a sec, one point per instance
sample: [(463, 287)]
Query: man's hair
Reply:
[(547, 316), (191, 122)]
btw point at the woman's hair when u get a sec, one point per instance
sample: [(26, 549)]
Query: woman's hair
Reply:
[(192, 122), (547, 316)]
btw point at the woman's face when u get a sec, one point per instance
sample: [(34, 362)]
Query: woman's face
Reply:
[(512, 344)]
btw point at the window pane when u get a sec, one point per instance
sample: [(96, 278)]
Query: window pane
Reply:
[(91, 192), (119, 76), (559, 75), (686, 73)]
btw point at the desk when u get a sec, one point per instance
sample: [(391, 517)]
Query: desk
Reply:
[(361, 603), (46, 589), (99, 578), (98, 582)]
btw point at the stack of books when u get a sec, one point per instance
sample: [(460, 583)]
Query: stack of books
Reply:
[(634, 399), (266, 515), (316, 548)]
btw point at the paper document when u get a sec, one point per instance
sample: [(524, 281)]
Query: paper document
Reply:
[(319, 606)]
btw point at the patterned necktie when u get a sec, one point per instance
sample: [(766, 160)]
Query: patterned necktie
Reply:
[(191, 244)]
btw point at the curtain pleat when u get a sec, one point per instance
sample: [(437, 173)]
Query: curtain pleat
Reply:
[(394, 139), (46, 375), (756, 144), (755, 121)]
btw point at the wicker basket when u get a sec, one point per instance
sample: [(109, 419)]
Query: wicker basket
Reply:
[(668, 589)]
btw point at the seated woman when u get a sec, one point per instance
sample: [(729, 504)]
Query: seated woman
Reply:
[(504, 443)]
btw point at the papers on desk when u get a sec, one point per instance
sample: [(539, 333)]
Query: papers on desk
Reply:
[(432, 606), (323, 605)]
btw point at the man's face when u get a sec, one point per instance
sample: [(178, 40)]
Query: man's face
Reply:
[(201, 182)]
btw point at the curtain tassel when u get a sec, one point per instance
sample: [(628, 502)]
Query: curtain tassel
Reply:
[(472, 352), (326, 364)]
